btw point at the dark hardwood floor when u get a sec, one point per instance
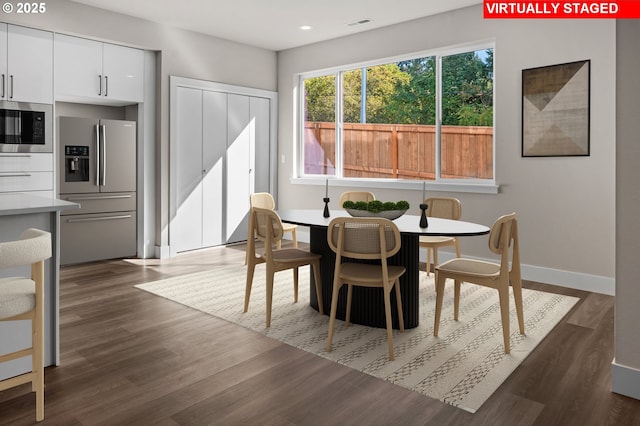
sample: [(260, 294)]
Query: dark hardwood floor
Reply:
[(131, 358)]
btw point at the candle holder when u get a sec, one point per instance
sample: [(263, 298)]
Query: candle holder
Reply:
[(326, 207), (423, 217)]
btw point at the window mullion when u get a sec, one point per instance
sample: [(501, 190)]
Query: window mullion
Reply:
[(438, 122), (339, 125)]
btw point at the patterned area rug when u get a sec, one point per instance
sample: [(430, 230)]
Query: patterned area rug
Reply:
[(462, 367)]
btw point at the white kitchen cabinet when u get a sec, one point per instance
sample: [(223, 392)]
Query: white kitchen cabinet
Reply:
[(26, 64), (96, 72), (22, 172)]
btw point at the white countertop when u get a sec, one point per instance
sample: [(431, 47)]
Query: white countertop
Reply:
[(16, 203)]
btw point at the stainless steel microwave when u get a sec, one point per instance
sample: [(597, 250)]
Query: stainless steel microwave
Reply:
[(25, 127)]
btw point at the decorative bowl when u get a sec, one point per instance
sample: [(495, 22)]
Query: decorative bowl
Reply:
[(387, 214)]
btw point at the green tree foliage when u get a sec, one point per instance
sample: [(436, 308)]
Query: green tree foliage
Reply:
[(405, 92), (321, 98)]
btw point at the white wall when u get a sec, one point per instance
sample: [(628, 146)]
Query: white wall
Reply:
[(181, 53), (565, 205), (626, 366)]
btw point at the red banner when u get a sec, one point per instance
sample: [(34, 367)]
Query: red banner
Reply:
[(561, 9)]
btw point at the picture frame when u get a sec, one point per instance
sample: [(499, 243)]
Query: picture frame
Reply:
[(556, 110)]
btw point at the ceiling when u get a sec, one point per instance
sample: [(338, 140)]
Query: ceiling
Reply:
[(275, 24)]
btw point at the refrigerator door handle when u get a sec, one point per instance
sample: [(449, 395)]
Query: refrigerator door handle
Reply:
[(104, 154), (98, 155)]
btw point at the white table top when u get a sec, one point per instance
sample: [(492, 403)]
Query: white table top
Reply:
[(406, 223)]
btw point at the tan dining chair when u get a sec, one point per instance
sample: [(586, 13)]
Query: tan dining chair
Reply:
[(445, 208), (356, 196), (265, 200), (22, 298), (503, 240), (371, 239), (267, 227)]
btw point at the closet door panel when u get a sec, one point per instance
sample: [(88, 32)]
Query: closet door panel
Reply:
[(214, 146), (238, 185), (259, 158), (188, 220)]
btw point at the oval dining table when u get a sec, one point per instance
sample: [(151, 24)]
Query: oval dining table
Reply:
[(368, 303)]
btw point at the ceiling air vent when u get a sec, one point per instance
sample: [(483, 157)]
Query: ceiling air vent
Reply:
[(360, 22)]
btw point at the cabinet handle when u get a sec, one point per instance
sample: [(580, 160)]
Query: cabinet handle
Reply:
[(98, 197), (15, 174), (15, 155), (99, 85), (96, 219), (11, 85), (106, 85), (3, 91)]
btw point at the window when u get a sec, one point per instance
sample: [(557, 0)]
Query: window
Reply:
[(420, 118)]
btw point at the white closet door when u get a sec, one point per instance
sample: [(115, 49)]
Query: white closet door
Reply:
[(259, 158), (214, 146), (239, 185), (187, 232)]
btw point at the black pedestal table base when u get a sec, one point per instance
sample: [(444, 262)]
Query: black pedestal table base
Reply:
[(367, 307)]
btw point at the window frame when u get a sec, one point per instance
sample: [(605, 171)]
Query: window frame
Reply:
[(443, 184)]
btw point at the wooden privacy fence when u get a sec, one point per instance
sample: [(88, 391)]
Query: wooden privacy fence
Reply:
[(400, 151)]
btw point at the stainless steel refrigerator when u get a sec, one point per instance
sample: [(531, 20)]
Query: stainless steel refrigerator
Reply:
[(97, 169)]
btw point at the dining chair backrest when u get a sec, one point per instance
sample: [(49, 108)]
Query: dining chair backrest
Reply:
[(363, 238), (503, 235), (263, 200), (267, 225), (34, 245), (444, 207), (356, 196)]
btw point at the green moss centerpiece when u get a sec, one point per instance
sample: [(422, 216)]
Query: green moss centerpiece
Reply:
[(376, 208)]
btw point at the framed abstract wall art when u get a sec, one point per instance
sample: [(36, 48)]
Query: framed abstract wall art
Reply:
[(555, 110)]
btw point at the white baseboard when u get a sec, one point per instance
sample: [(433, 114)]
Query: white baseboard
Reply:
[(625, 380), (162, 252), (575, 280)]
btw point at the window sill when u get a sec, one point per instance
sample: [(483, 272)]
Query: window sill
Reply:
[(475, 187)]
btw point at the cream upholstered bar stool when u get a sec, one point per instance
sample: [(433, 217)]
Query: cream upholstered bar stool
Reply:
[(23, 299), (371, 239), (365, 196), (503, 240), (445, 208), (267, 227)]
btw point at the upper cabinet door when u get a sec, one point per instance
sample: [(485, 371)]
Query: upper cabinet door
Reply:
[(29, 65), (78, 68), (123, 69), (96, 72), (3, 62)]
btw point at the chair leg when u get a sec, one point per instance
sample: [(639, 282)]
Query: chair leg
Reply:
[(334, 307), (38, 369), (439, 297), (516, 284), (295, 285), (316, 278), (247, 292), (349, 298), (428, 265), (503, 292), (456, 299), (387, 314), (270, 274), (399, 303), (435, 264)]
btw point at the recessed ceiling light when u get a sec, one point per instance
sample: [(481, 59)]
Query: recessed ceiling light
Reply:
[(305, 27)]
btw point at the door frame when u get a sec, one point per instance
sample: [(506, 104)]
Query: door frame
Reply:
[(175, 82)]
